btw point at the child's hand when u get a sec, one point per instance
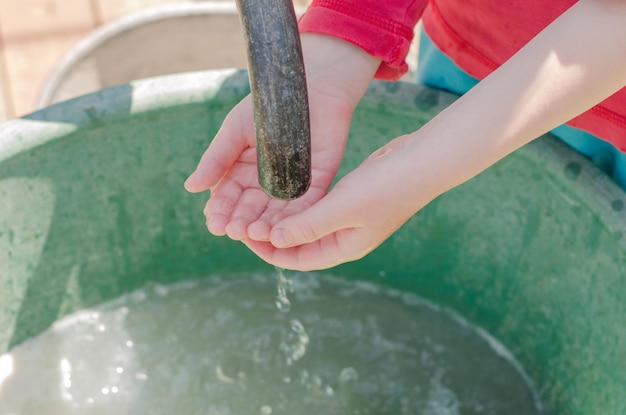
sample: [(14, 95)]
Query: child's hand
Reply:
[(576, 62), (229, 168), (338, 74), (361, 211)]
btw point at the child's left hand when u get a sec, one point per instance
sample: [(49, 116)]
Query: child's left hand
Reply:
[(360, 212)]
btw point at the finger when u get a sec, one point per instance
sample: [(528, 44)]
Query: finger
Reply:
[(259, 230), (234, 136), (251, 204), (277, 210), (225, 196), (328, 215), (320, 254), (289, 258), (219, 207)]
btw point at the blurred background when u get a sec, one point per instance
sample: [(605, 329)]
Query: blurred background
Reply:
[(35, 36)]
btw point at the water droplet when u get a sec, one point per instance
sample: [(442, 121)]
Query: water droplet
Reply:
[(266, 410), (66, 373), (295, 347), (283, 304), (120, 370), (141, 376), (105, 391), (282, 287), (297, 326), (348, 374)]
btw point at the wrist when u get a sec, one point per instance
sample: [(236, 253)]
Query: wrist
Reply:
[(336, 67)]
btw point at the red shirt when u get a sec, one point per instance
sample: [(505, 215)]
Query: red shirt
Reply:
[(478, 35)]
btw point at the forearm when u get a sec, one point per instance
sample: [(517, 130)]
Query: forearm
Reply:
[(381, 28), (573, 64)]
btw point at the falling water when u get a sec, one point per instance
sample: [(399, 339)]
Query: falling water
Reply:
[(283, 286)]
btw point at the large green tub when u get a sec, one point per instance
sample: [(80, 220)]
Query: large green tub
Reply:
[(533, 250)]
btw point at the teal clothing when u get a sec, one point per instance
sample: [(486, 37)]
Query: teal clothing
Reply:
[(437, 70)]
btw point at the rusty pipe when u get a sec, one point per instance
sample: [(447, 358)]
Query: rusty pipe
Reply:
[(279, 94)]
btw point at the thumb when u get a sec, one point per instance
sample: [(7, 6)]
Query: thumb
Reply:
[(313, 224), (230, 142)]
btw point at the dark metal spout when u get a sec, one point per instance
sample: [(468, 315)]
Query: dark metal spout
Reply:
[(281, 106)]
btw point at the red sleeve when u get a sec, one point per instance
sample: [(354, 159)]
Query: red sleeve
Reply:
[(383, 28)]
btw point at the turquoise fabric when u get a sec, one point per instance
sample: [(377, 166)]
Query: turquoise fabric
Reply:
[(437, 70)]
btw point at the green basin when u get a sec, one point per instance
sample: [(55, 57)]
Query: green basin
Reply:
[(533, 250)]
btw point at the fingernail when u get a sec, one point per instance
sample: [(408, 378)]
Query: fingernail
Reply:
[(280, 238)]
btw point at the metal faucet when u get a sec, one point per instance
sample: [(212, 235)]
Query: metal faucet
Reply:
[(279, 94)]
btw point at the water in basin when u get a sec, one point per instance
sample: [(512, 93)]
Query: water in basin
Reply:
[(231, 346)]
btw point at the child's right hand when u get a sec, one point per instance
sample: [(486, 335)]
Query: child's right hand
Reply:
[(572, 65), (338, 74)]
